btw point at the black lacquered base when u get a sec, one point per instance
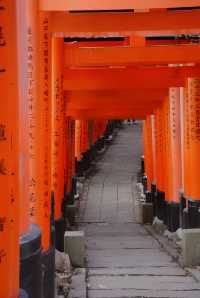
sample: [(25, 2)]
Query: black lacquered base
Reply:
[(172, 221), (185, 219), (182, 206), (60, 228), (48, 262), (144, 183), (194, 214), (160, 205), (31, 263), (149, 198), (142, 165), (153, 195)]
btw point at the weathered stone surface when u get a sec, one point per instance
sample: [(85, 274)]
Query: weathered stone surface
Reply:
[(132, 293), (137, 271), (125, 242), (191, 247), (75, 247), (123, 260), (78, 286), (147, 213)]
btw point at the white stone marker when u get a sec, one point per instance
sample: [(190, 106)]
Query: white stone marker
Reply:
[(191, 247), (75, 247)]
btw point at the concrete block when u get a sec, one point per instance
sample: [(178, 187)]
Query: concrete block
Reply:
[(191, 247), (143, 212), (138, 211), (147, 213), (75, 247)]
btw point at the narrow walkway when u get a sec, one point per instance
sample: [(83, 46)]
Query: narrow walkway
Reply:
[(123, 260)]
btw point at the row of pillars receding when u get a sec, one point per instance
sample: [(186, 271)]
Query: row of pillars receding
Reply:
[(172, 157), (42, 151)]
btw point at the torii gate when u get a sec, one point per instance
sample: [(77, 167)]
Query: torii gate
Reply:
[(32, 45)]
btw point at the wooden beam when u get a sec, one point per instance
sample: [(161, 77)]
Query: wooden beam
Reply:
[(141, 95), (124, 24), (111, 104), (120, 56), (76, 5), (127, 78), (114, 114)]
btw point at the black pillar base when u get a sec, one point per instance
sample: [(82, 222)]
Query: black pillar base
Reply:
[(74, 186), (172, 222), (70, 209), (48, 262), (142, 166), (149, 197), (60, 228), (144, 182), (22, 294), (100, 144), (194, 214), (160, 205), (185, 219), (153, 195), (182, 206), (79, 168), (31, 263)]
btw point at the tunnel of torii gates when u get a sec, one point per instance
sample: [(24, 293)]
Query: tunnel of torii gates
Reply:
[(68, 70)]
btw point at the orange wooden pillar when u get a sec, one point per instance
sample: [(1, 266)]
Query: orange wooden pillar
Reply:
[(148, 151), (58, 138), (39, 120), (30, 235), (154, 174), (186, 124), (9, 153), (86, 149), (70, 159), (145, 156), (192, 149), (45, 150), (160, 164), (66, 155), (101, 129), (174, 162), (84, 136), (78, 139), (94, 132)]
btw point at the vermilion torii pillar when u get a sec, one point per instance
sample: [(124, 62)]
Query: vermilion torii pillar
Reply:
[(148, 151), (173, 158), (78, 139), (38, 67), (9, 152), (58, 138), (191, 151)]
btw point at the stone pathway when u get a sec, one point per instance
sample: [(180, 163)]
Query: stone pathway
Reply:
[(123, 260)]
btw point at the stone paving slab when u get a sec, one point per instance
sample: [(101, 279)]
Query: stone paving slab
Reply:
[(174, 283), (115, 229), (146, 271), (94, 261), (103, 243), (78, 286), (132, 293), (123, 259)]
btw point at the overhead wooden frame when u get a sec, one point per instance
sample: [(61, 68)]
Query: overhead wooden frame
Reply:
[(120, 56), (77, 5), (143, 95), (152, 23), (127, 78), (105, 114)]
